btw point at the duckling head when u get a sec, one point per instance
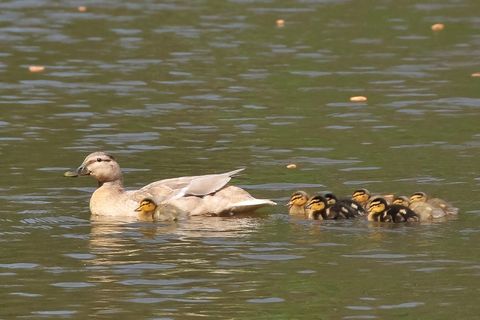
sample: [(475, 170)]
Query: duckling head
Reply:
[(315, 206), (330, 197), (298, 199), (418, 197), (147, 206), (102, 166), (376, 208), (361, 196), (402, 201)]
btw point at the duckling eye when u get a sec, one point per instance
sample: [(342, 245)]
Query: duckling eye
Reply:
[(99, 159)]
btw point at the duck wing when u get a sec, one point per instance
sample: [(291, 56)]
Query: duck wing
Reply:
[(193, 185)]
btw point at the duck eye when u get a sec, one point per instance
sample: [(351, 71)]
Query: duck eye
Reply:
[(99, 159)]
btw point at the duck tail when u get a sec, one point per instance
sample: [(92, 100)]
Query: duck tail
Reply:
[(250, 205)]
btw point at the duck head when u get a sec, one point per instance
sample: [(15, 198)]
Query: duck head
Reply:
[(315, 207), (361, 196), (402, 201), (298, 198), (102, 166), (418, 197), (376, 209), (147, 206), (330, 197)]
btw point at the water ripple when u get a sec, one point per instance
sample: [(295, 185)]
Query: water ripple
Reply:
[(271, 257)]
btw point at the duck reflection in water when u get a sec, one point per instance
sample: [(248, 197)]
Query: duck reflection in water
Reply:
[(112, 239)]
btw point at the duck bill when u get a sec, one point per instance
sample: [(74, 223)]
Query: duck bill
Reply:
[(70, 174), (138, 209), (83, 171)]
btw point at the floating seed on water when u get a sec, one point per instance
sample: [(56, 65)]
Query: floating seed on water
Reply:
[(358, 99), (36, 68), (291, 166), (82, 8), (476, 74), (280, 23), (438, 27)]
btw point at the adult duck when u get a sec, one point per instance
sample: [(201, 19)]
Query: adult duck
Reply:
[(194, 195)]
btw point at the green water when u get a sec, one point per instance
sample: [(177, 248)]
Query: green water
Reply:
[(181, 88)]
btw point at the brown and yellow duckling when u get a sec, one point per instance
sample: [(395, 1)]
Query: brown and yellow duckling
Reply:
[(148, 210), (402, 201), (442, 206), (297, 202), (354, 206), (425, 210), (380, 210), (363, 197), (318, 208)]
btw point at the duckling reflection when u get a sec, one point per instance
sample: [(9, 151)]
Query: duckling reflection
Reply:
[(380, 210), (439, 207), (354, 206), (297, 202)]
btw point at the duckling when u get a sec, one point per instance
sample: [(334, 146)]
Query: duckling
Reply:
[(354, 206), (380, 210), (148, 210), (297, 202), (196, 195), (363, 197), (318, 208), (402, 201), (436, 203)]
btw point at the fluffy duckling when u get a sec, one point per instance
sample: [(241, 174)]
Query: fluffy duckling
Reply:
[(363, 197), (318, 208), (436, 203), (354, 206), (425, 210), (148, 210), (380, 210), (402, 201), (297, 202)]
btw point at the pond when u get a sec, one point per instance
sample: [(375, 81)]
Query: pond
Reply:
[(178, 88)]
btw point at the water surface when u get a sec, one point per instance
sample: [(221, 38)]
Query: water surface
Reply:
[(180, 88)]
